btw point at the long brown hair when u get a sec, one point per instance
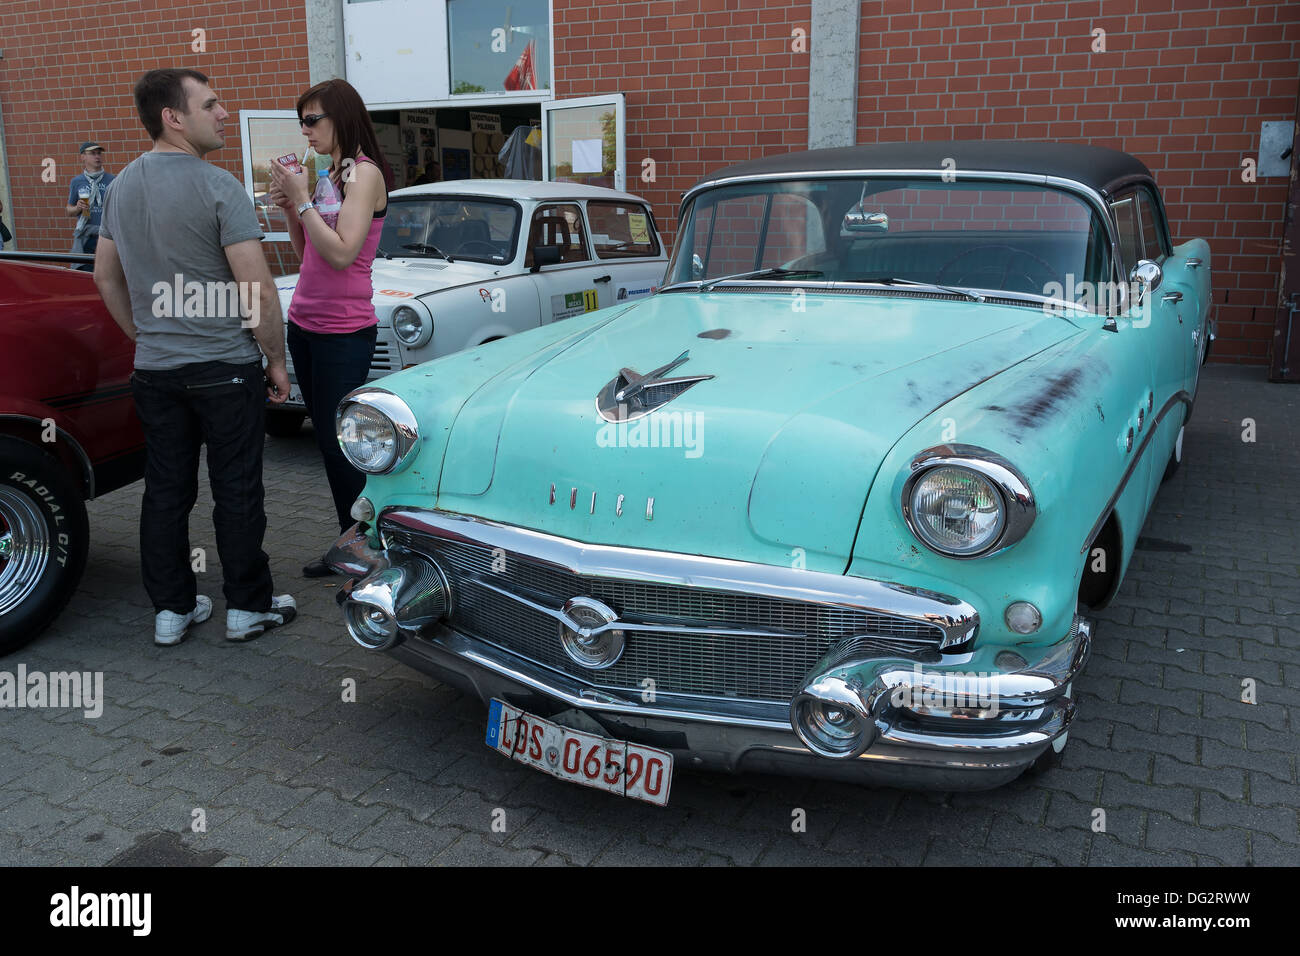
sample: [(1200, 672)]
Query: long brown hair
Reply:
[(353, 130)]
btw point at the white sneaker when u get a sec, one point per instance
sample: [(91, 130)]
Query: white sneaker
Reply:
[(169, 627), (246, 625)]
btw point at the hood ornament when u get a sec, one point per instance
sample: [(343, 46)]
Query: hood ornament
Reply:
[(629, 395)]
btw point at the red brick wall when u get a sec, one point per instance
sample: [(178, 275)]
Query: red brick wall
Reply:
[(69, 69), (1181, 85), (707, 83)]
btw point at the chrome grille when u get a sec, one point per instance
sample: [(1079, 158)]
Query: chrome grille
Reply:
[(712, 665)]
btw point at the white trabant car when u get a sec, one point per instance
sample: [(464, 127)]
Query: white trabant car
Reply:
[(462, 263)]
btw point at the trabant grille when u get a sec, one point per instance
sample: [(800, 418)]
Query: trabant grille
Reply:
[(384, 358), (767, 668)]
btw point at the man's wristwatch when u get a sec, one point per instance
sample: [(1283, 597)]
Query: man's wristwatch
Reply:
[(303, 207)]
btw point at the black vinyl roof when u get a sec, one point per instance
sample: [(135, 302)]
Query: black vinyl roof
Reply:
[(1093, 166)]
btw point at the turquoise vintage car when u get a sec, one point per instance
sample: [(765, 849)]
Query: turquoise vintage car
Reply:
[(834, 501)]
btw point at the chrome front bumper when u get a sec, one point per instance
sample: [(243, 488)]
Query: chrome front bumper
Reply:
[(924, 723)]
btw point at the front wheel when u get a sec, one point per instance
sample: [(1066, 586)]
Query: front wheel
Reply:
[(44, 537)]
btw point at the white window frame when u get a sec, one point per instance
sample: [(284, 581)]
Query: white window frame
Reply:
[(619, 103), (245, 147)]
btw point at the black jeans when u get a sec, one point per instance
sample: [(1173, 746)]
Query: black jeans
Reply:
[(223, 406), (328, 366)]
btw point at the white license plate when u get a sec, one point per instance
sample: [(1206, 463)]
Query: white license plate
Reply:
[(630, 770)]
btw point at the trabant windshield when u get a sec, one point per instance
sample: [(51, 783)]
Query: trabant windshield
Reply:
[(983, 235), (481, 230)]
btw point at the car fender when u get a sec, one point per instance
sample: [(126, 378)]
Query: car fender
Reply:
[(29, 421), (1060, 419)]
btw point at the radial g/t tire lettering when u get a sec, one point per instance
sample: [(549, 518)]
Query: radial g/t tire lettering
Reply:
[(44, 537)]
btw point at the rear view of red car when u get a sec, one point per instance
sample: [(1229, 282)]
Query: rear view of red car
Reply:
[(68, 432)]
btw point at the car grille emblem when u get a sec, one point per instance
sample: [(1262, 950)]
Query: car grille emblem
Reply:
[(629, 395)]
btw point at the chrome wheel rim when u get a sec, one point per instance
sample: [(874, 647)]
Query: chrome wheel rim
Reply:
[(24, 548)]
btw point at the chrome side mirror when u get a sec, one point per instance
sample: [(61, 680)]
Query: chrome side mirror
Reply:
[(857, 220), (697, 267), (1145, 279)]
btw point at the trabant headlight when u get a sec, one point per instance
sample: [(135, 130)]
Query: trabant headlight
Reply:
[(411, 328), (964, 502), (376, 430)]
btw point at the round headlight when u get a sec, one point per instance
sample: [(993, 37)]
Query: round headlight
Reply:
[(956, 511), (409, 326), (376, 430)]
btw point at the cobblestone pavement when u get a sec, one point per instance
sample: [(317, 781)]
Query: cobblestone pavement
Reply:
[(255, 743)]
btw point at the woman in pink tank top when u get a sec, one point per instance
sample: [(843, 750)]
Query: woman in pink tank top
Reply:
[(332, 323)]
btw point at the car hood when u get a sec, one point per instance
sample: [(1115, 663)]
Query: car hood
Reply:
[(397, 279), (773, 456)]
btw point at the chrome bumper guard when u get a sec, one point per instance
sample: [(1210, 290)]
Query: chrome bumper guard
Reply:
[(855, 717)]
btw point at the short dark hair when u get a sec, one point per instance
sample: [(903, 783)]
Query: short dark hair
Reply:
[(158, 90), (352, 127)]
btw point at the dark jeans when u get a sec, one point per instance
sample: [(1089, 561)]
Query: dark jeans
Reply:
[(223, 406), (329, 366)]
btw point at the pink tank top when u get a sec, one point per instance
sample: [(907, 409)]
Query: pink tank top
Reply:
[(328, 299)]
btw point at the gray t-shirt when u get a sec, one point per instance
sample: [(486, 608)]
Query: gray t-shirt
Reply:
[(171, 215)]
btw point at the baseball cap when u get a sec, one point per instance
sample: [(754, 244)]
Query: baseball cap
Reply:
[(90, 145)]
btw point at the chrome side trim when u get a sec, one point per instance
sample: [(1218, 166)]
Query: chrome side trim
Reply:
[(1017, 497), (1181, 396), (955, 618)]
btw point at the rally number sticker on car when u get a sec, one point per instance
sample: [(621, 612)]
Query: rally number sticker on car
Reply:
[(618, 767), (569, 304)]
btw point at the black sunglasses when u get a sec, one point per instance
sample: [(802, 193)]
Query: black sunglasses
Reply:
[(311, 119)]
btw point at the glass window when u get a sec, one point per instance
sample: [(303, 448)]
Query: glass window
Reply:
[(621, 230), (1152, 239), (1130, 240), (498, 46), (558, 225), (268, 139), (1000, 236), (464, 228), (583, 143)]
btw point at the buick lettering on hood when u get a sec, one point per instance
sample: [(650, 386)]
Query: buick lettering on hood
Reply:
[(837, 500)]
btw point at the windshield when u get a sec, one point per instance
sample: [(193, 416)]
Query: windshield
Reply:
[(999, 236), (482, 230)]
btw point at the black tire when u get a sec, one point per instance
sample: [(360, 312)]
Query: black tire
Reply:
[(284, 424), (43, 530)]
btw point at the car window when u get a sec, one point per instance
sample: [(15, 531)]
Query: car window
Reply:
[(794, 231), (558, 224), (620, 230), (463, 228), (1017, 237), (1152, 238), (1130, 239)]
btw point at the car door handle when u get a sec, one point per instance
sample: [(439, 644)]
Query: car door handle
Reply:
[(1172, 297), (602, 278), (1193, 263)]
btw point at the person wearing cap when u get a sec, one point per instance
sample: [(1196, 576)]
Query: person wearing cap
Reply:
[(86, 198)]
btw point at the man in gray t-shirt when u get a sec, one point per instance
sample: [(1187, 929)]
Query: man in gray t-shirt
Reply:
[(180, 266)]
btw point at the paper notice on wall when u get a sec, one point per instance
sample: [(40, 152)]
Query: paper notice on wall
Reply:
[(638, 227), (586, 155)]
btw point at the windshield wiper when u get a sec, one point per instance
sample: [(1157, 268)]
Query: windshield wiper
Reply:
[(891, 280), (427, 248), (778, 273)]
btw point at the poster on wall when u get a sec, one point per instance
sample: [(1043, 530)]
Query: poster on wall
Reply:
[(419, 142), (457, 153)]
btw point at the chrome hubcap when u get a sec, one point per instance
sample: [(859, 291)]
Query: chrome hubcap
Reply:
[(24, 548)]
